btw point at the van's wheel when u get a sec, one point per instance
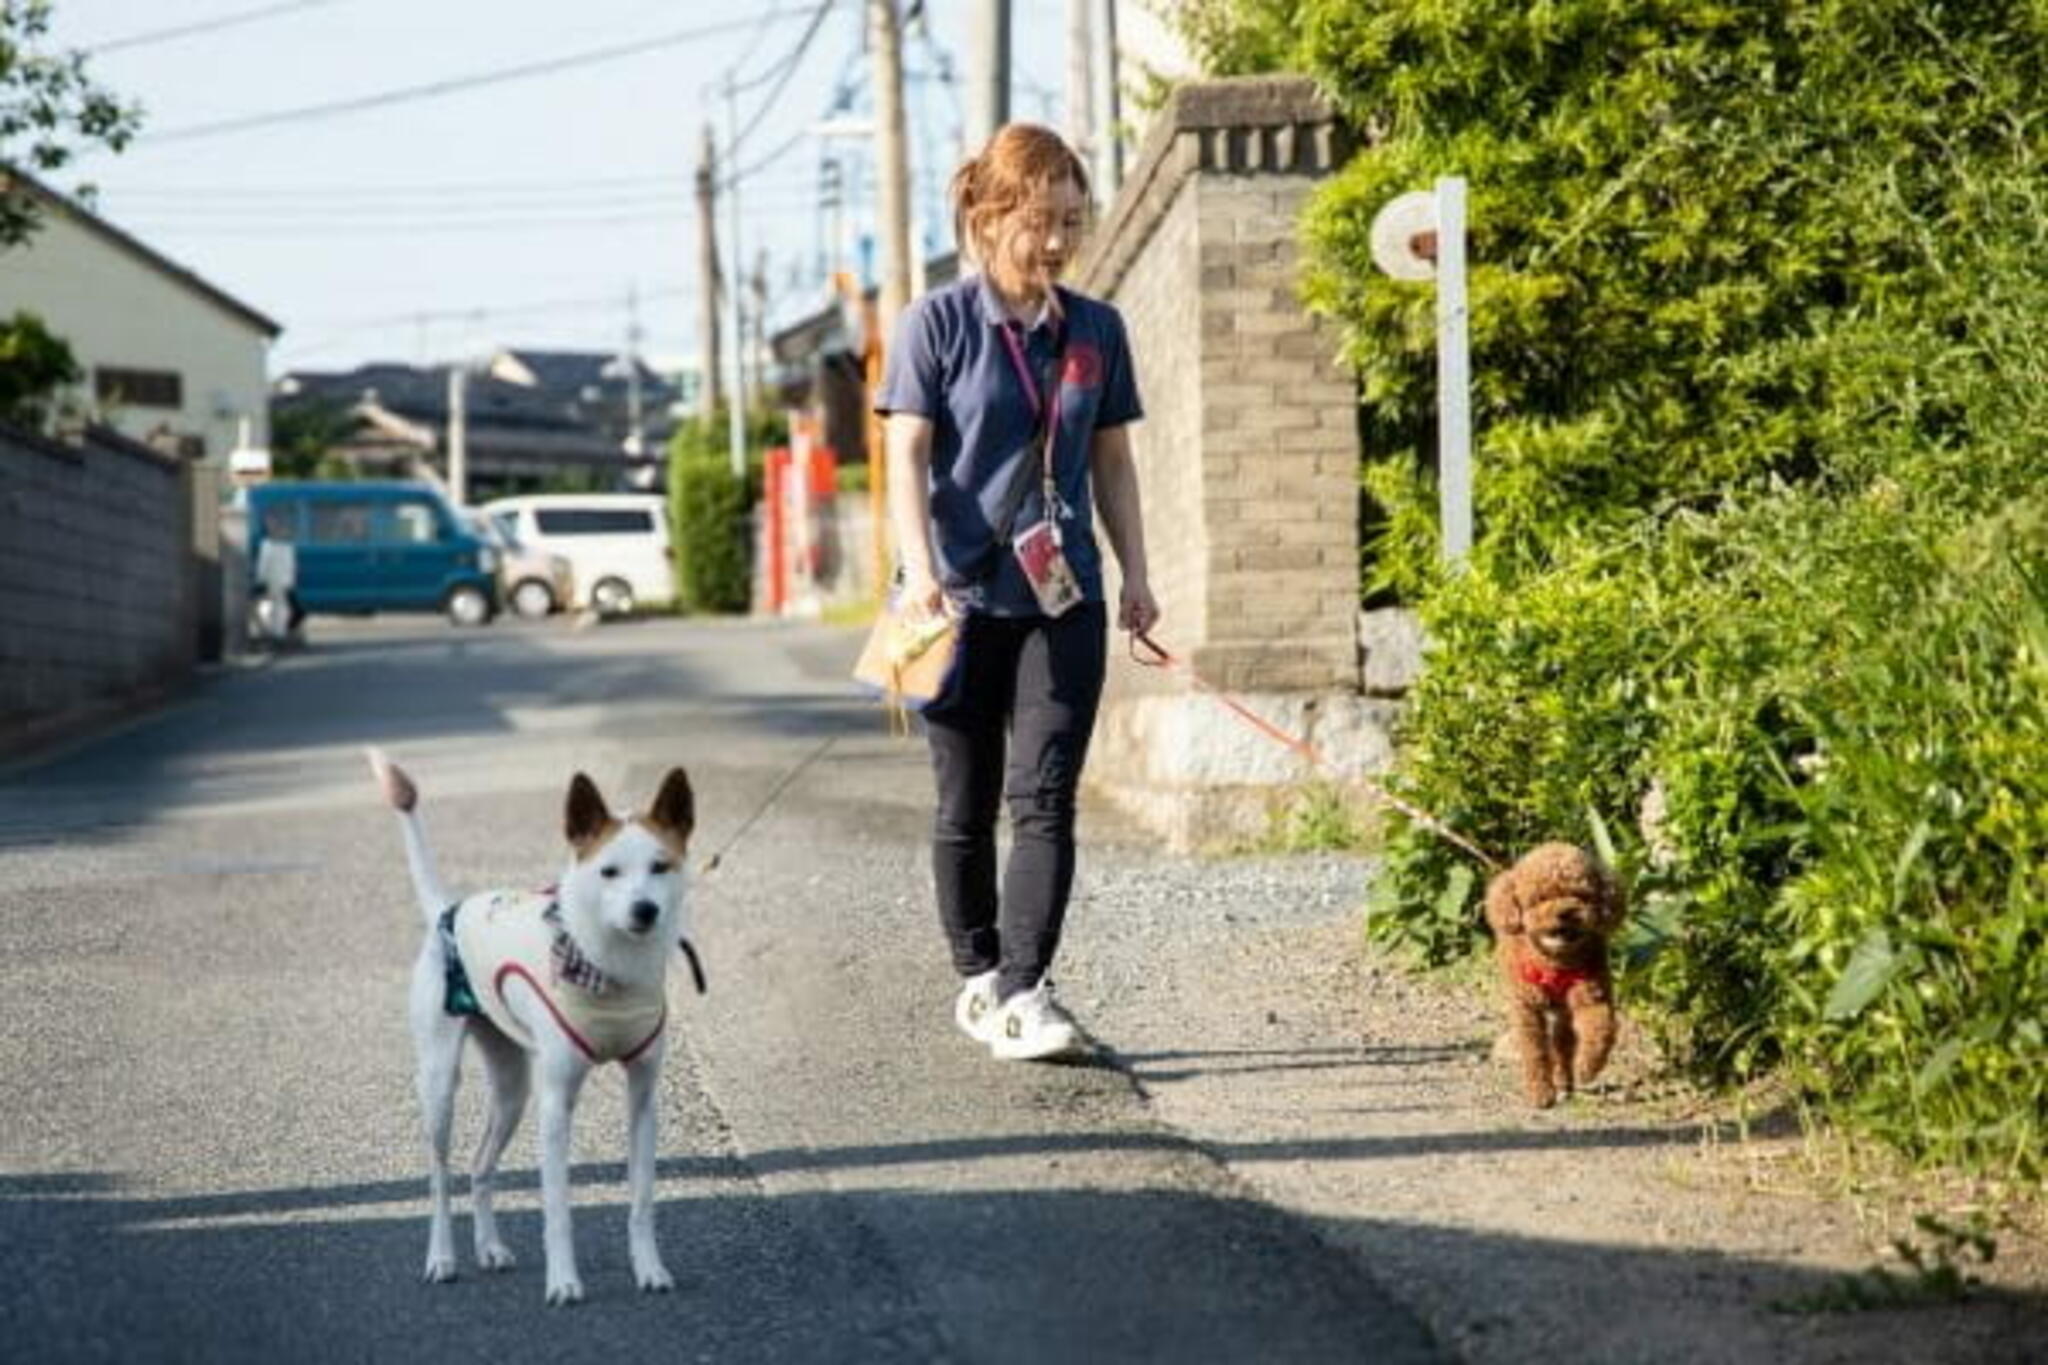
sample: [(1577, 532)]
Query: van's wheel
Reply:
[(533, 599), (612, 596), (467, 606)]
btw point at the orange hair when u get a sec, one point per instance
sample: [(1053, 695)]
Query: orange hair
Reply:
[(1021, 159)]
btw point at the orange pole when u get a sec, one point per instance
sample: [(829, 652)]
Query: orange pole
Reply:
[(774, 478)]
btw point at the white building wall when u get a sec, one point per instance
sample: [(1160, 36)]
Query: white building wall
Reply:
[(115, 309)]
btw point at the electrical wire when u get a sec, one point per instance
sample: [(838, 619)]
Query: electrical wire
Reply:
[(769, 159), (453, 85), (419, 189), (505, 225), (400, 195), (787, 70), (532, 308), (165, 35)]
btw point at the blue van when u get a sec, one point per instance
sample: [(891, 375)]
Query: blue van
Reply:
[(364, 547)]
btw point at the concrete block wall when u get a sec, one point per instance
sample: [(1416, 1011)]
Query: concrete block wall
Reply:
[(1248, 467), (97, 588)]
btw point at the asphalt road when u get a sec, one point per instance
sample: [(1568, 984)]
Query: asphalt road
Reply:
[(208, 1143)]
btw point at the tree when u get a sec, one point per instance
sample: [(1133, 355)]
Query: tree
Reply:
[(34, 364), (303, 437), (48, 106)]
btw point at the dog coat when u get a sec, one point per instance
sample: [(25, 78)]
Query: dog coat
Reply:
[(497, 936)]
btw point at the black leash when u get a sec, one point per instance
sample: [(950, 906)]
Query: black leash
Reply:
[(711, 865)]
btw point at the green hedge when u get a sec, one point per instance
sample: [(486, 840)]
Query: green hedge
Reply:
[(1763, 564), (708, 507)]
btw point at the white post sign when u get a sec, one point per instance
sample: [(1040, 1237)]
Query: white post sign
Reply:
[(1421, 236)]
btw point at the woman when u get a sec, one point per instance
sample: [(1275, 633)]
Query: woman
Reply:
[(1008, 403)]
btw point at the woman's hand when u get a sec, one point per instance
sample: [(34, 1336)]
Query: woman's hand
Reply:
[(1136, 610), (922, 597)]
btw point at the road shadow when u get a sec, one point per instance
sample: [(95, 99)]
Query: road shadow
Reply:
[(242, 736), (1151, 1068), (1004, 1276), (898, 1275)]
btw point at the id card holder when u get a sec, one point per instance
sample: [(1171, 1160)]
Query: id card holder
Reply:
[(1046, 569)]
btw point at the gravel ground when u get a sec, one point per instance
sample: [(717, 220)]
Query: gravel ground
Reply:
[(1640, 1222)]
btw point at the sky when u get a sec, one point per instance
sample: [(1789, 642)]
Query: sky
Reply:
[(517, 213)]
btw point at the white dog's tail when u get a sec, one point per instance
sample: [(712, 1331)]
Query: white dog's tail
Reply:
[(404, 797)]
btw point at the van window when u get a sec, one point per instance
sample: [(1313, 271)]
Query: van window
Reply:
[(508, 526), (340, 523), (280, 521), (411, 523), (593, 521)]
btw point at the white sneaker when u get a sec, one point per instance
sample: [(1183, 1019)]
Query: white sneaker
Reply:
[(975, 1008), (1031, 1026)]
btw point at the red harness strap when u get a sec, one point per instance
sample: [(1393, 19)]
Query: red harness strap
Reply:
[(1555, 982)]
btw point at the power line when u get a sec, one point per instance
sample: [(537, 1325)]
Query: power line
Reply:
[(319, 225), (387, 212), (386, 229), (769, 159), (529, 309), (788, 69), (165, 35), (393, 189), (437, 89), (424, 192)]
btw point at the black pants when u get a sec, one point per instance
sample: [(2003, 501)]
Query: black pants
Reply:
[(1035, 683)]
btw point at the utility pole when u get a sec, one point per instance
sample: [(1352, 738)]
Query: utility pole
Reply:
[(893, 204), (1080, 84), (636, 431), (708, 388), (757, 341), (988, 72), (832, 197), (1109, 152), (736, 420), (892, 164), (458, 433)]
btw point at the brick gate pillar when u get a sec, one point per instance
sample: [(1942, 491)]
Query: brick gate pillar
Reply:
[(1248, 462)]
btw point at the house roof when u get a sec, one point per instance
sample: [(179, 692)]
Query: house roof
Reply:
[(13, 177), (410, 404), (570, 373), (825, 331)]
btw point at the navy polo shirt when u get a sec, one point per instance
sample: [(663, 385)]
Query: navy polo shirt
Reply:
[(950, 364)]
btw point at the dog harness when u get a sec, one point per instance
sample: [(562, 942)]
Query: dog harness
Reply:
[(492, 938), (1554, 982)]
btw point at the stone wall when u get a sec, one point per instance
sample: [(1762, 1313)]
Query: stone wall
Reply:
[(1248, 466), (99, 581)]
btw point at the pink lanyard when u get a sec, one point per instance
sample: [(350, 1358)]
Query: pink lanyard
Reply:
[(1037, 410), (1024, 377)]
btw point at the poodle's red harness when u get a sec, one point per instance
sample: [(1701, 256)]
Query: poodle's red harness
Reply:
[(1555, 982)]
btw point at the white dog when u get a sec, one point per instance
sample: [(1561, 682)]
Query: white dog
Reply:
[(571, 978)]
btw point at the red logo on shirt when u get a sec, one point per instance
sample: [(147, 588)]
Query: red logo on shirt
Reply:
[(1084, 366)]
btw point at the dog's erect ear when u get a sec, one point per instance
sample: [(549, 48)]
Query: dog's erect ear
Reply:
[(675, 805), (584, 817), (1503, 909)]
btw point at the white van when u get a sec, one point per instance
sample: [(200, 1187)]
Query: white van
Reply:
[(617, 543)]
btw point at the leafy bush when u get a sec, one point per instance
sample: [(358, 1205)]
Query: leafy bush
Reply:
[(1763, 567), (36, 366), (708, 506)]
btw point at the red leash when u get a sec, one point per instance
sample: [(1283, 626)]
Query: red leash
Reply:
[(1162, 659)]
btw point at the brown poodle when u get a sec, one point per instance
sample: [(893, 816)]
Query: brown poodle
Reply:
[(1551, 914)]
